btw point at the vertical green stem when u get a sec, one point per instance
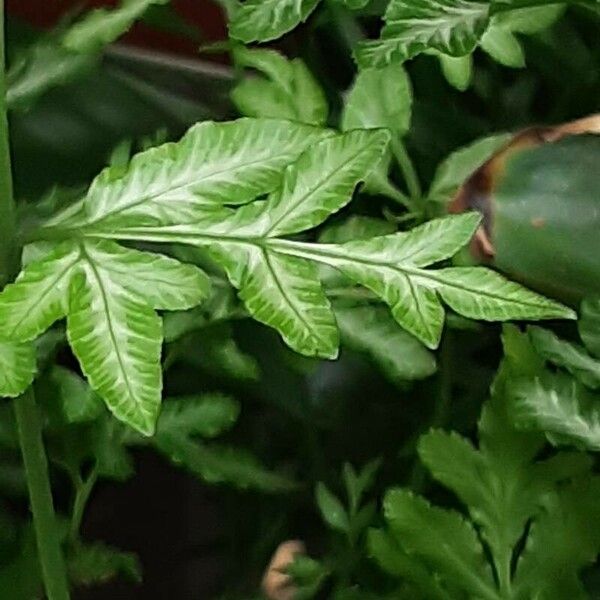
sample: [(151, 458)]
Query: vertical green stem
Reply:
[(406, 166), (28, 421), (83, 489), (8, 245), (40, 496)]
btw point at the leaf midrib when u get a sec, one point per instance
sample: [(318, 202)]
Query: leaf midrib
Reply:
[(316, 252), (110, 326)]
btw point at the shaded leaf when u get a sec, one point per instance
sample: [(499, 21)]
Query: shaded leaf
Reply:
[(289, 90), (451, 546), (559, 406), (589, 325), (571, 357), (97, 563), (78, 402), (454, 170), (371, 330), (207, 415), (332, 510), (221, 464)]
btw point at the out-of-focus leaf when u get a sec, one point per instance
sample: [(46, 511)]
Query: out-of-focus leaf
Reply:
[(332, 510), (208, 415), (97, 563), (372, 330), (288, 89), (455, 169), (79, 403), (589, 325), (571, 357), (221, 464)]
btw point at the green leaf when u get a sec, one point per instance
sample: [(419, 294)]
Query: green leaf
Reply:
[(450, 547), (355, 4), (571, 357), (589, 325), (100, 27), (455, 169), (265, 20), (559, 406), (355, 227), (562, 541), (332, 510), (458, 70), (117, 340), (214, 163), (529, 20), (371, 330), (221, 464), (38, 297), (284, 293), (358, 484), (289, 91), (163, 282), (113, 460), (49, 62), (78, 402), (393, 559), (17, 368), (479, 293), (308, 576), (208, 415), (452, 27), (43, 66), (321, 181), (379, 98), (503, 46), (97, 563)]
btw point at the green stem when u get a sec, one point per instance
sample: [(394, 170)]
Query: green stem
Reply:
[(40, 495), (8, 245), (406, 166), (27, 417), (83, 489)]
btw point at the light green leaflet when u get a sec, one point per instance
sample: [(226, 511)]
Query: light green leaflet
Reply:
[(177, 194), (265, 20), (452, 27), (109, 294), (380, 98), (288, 91)]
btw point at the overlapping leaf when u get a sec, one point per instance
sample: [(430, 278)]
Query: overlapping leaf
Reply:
[(178, 193), (380, 98), (214, 163), (452, 27), (289, 90), (265, 20)]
